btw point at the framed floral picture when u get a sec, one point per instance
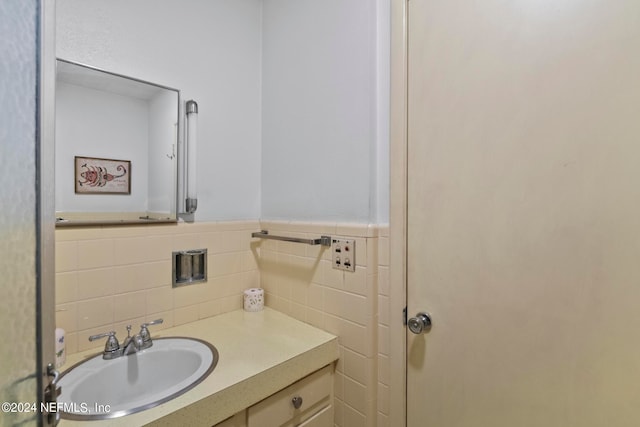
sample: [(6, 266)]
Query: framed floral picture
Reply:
[(102, 176)]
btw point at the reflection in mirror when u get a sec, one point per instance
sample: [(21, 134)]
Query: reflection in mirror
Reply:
[(116, 147)]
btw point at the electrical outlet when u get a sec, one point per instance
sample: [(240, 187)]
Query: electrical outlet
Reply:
[(343, 254)]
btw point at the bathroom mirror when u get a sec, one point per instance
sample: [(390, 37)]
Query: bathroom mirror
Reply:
[(116, 148)]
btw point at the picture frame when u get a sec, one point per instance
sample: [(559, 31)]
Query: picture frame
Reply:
[(95, 175)]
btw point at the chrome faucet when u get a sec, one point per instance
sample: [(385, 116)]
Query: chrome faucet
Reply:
[(131, 344)]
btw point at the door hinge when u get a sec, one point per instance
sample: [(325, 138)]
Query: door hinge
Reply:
[(51, 393), (404, 316)]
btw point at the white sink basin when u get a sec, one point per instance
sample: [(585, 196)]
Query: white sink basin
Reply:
[(98, 389)]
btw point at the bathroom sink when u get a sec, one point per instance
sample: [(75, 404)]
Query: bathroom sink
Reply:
[(97, 389)]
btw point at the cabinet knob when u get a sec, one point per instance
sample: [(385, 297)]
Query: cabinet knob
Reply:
[(297, 402)]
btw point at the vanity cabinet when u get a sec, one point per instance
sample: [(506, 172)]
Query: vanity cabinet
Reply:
[(305, 403)]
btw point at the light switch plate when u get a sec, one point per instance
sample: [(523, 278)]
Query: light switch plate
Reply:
[(343, 254)]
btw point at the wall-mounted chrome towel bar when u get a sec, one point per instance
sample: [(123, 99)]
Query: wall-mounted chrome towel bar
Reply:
[(264, 234)]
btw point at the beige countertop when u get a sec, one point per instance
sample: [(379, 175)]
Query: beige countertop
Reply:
[(259, 354)]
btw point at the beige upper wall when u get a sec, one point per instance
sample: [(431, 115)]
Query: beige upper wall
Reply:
[(325, 110), (210, 51), (275, 120)]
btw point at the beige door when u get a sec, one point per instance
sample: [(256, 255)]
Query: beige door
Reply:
[(524, 213)]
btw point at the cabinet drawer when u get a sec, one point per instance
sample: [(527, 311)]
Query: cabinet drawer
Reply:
[(238, 420), (277, 410), (324, 418)]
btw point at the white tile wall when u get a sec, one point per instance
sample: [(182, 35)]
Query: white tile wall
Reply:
[(384, 314), (299, 281), (108, 277)]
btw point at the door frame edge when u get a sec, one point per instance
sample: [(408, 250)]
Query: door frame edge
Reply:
[(45, 153), (398, 213)]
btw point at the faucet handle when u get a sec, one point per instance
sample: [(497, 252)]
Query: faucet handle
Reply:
[(112, 343), (102, 335), (153, 322), (144, 332)]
